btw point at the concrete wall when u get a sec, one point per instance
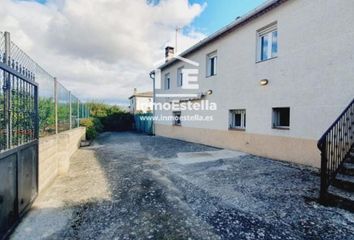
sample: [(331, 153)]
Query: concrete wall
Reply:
[(55, 152), (313, 73), (296, 150)]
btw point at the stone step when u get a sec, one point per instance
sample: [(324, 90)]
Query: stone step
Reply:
[(345, 182), (349, 159), (348, 169), (341, 198), (351, 156)]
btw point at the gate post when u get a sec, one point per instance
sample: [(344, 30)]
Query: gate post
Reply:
[(7, 91)]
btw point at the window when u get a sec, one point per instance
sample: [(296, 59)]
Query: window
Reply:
[(211, 64), (179, 77), (267, 43), (238, 119), (177, 118), (167, 81), (281, 118)]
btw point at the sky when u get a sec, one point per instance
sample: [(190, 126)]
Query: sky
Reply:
[(102, 49)]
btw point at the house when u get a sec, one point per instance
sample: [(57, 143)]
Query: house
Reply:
[(140, 102), (279, 77)]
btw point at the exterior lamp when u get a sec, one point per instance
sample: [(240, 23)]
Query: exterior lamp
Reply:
[(203, 94), (264, 82)]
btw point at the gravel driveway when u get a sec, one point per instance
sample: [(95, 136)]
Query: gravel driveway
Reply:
[(131, 186)]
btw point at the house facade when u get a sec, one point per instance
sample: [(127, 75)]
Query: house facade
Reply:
[(140, 102), (279, 77)]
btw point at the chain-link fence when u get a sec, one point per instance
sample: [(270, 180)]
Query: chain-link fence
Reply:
[(58, 109)]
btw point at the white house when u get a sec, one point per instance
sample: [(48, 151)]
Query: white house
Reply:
[(279, 76), (140, 102)]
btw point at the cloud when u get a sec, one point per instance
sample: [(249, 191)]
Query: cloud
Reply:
[(100, 49)]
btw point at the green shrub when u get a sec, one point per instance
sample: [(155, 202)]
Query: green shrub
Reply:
[(111, 117), (93, 127), (119, 121), (98, 124)]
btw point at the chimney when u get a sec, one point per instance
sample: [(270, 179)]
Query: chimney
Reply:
[(169, 51), (135, 91)]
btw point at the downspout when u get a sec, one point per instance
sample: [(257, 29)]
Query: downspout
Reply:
[(152, 76)]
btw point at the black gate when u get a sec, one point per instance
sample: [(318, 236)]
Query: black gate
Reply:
[(19, 135)]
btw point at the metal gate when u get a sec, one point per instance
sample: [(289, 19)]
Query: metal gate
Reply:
[(19, 134)]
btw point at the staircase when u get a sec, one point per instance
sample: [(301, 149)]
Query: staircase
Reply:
[(337, 161), (341, 191)]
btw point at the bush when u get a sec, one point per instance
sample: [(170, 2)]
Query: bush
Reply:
[(118, 121), (98, 124), (111, 118), (93, 127)]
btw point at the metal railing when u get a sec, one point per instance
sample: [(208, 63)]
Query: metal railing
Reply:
[(335, 145), (58, 109)]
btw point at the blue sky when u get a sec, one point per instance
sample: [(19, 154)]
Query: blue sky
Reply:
[(219, 13)]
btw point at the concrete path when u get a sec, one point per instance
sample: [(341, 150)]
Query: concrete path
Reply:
[(130, 186)]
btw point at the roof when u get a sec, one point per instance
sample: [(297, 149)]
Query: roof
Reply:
[(240, 21), (142, 94)]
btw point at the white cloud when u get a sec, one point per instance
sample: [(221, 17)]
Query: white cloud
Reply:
[(100, 49)]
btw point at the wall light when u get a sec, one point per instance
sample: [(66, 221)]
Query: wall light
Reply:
[(264, 82), (209, 92)]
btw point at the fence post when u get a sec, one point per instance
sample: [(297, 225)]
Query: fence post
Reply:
[(70, 111), (56, 104), (7, 89), (78, 113)]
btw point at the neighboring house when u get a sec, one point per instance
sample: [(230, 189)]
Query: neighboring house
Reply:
[(140, 102), (279, 75)]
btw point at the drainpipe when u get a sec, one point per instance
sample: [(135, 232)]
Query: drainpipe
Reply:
[(152, 76)]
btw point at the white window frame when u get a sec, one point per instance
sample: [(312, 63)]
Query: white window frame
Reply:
[(167, 81), (276, 118), (177, 122), (180, 76), (232, 119), (267, 32), (211, 57)]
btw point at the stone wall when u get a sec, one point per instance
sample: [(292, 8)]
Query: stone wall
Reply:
[(55, 152)]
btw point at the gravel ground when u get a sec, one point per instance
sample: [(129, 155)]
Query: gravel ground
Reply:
[(131, 186)]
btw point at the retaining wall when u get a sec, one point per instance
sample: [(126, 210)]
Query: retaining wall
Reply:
[(55, 152)]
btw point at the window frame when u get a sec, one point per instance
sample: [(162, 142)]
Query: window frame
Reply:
[(167, 77), (209, 56), (276, 118), (232, 119), (268, 31), (174, 121), (180, 76)]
